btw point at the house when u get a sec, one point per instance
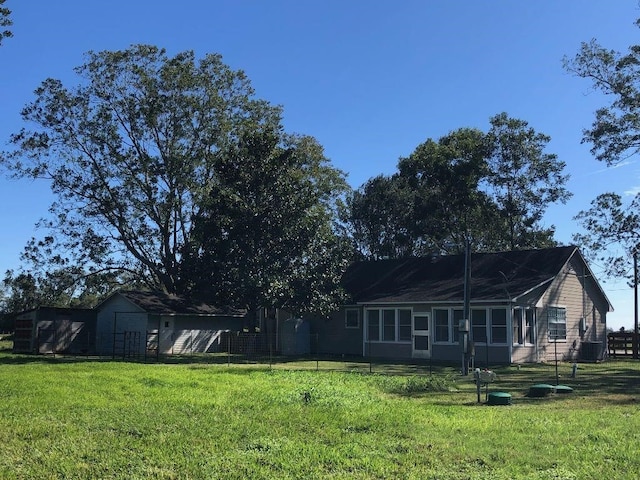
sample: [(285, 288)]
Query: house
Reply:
[(135, 323), (525, 306), (55, 330)]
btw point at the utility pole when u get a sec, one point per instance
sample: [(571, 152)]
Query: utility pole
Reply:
[(635, 303), (466, 314)]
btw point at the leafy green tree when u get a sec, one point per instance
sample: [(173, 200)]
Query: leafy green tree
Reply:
[(491, 189), (130, 154), (155, 162), (380, 218), (450, 208), (523, 180), (5, 22), (611, 225), (612, 233), (615, 132), (266, 235)]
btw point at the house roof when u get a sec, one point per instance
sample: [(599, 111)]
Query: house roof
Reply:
[(168, 304), (494, 276)]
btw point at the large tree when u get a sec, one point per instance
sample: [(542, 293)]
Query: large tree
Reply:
[(611, 224), (491, 189), (266, 236), (135, 154), (523, 180)]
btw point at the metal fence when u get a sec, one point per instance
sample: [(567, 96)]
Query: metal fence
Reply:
[(302, 352)]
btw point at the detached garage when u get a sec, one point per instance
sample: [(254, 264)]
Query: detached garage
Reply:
[(137, 323)]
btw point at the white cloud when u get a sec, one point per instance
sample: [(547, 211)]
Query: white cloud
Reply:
[(633, 191)]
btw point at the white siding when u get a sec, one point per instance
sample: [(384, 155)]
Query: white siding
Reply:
[(118, 315)]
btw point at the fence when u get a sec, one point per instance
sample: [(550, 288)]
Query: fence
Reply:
[(300, 352), (297, 351), (621, 344)]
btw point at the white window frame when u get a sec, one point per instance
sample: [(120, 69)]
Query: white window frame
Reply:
[(381, 330), (526, 315), (556, 308), (346, 317)]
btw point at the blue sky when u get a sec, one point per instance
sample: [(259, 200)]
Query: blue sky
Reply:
[(370, 79)]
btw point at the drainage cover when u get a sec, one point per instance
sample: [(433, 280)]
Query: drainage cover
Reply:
[(499, 398), (563, 389), (541, 390)]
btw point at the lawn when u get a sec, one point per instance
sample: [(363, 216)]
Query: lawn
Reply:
[(82, 419)]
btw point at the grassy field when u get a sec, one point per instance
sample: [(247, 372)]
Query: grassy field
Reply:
[(78, 419)]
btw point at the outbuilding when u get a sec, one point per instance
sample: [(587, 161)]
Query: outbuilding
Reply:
[(55, 330), (135, 323)]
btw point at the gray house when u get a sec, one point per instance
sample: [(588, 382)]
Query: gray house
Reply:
[(526, 306), (134, 323)]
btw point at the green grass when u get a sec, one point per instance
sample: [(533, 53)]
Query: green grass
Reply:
[(79, 419)]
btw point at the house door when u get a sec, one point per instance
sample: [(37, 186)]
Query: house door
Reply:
[(167, 336), (420, 336)]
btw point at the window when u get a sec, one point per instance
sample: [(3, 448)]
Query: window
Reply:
[(498, 325), (373, 325), (388, 325), (352, 318), (517, 327), (421, 322), (404, 325), (557, 321), (479, 326), (441, 325), (523, 323), (529, 321)]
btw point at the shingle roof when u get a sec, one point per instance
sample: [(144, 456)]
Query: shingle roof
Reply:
[(168, 304), (494, 276)]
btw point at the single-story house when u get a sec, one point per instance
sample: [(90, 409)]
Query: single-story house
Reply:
[(55, 330), (134, 323), (525, 306)]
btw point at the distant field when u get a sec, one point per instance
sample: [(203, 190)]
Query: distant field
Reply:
[(78, 419)]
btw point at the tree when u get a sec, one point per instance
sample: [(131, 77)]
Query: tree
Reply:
[(266, 233), (615, 132), (523, 180), (612, 233), (5, 22), (451, 208), (380, 218), (488, 188), (136, 155), (610, 225), (130, 154)]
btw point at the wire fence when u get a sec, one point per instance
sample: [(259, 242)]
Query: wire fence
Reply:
[(246, 349)]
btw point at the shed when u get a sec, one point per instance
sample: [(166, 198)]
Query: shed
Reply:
[(55, 330), (134, 323)]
